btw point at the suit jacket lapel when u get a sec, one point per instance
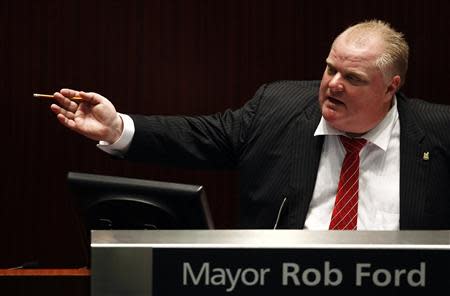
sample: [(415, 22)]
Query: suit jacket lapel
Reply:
[(306, 149), (414, 167)]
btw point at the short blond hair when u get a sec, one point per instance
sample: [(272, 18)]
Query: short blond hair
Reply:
[(394, 59)]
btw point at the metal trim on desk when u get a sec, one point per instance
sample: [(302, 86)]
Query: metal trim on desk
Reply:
[(271, 239)]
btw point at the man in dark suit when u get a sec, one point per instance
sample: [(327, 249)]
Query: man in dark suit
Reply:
[(286, 141)]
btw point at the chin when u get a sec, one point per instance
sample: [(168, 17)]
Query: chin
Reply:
[(330, 115), (340, 126)]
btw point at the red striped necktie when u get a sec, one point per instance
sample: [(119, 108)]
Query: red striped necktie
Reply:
[(345, 212)]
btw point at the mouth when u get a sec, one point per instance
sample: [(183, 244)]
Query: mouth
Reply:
[(335, 101)]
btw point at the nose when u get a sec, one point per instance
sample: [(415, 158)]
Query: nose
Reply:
[(335, 84)]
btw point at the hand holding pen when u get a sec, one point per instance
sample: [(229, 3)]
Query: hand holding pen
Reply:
[(87, 113)]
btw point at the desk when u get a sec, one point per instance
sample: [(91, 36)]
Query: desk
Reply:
[(68, 281)]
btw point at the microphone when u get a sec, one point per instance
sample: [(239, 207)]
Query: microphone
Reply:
[(30, 264), (280, 210)]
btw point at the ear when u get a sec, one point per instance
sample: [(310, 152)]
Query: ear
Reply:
[(394, 85)]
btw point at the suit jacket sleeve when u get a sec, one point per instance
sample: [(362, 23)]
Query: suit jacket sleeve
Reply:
[(212, 141)]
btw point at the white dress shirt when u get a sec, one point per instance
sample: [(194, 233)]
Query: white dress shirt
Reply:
[(379, 176), (121, 146)]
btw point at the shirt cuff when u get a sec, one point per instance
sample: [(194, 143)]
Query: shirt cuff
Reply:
[(120, 147)]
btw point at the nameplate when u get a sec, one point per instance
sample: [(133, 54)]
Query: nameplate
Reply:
[(309, 271), (267, 262)]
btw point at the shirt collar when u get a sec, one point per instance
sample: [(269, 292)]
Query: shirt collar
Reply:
[(379, 135)]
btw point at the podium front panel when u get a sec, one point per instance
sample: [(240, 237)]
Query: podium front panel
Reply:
[(265, 262)]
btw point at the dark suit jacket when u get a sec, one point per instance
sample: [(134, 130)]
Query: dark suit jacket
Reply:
[(270, 140)]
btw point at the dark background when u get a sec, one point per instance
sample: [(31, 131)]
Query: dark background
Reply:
[(162, 57)]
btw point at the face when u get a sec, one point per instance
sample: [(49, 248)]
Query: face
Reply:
[(354, 96)]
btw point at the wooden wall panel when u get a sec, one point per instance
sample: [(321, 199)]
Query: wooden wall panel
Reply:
[(162, 57)]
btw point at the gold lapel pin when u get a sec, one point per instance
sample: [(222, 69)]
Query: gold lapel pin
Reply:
[(426, 155)]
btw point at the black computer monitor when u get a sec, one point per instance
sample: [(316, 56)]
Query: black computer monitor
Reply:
[(109, 202)]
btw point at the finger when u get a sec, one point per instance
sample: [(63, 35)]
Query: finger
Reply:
[(90, 97), (69, 93), (65, 102), (58, 110), (66, 121)]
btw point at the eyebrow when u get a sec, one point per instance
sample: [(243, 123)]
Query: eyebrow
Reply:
[(349, 72)]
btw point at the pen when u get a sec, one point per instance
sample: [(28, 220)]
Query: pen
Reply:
[(44, 96)]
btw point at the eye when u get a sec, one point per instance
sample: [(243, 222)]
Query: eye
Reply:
[(330, 70), (354, 79), (351, 78)]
